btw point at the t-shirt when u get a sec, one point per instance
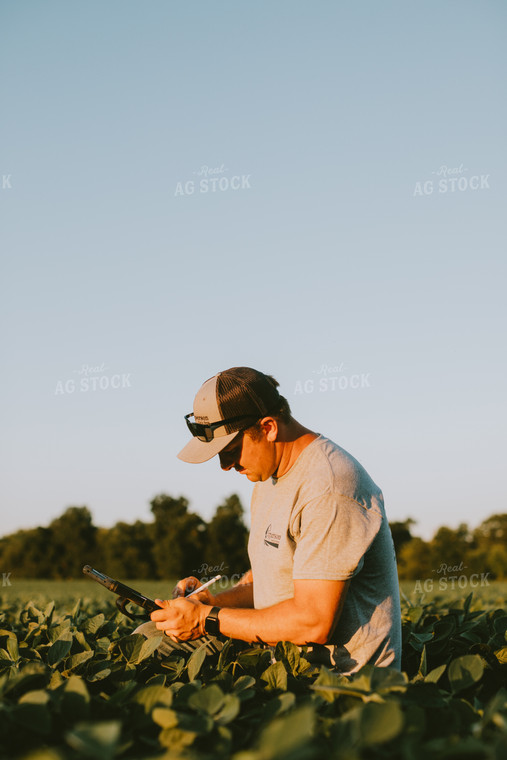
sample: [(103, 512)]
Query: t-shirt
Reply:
[(325, 519)]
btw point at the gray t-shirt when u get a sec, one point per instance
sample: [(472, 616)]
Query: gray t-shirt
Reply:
[(325, 519)]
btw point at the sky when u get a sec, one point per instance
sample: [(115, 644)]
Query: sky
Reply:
[(315, 189)]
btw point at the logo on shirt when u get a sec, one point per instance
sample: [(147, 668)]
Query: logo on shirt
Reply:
[(271, 539)]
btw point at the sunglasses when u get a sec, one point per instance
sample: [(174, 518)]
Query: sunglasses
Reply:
[(206, 433)]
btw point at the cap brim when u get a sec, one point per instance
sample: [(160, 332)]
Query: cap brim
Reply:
[(197, 451)]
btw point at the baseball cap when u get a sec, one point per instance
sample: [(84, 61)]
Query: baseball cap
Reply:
[(240, 396)]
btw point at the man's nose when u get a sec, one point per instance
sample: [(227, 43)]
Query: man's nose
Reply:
[(225, 462)]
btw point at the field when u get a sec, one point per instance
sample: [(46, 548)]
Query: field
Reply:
[(75, 684)]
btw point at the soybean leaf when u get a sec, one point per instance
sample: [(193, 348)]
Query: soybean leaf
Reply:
[(48, 613), (275, 677), (244, 682), (75, 660), (279, 705), (12, 647), (224, 654), (35, 697), (254, 659), (98, 670), (59, 650), (288, 735), (289, 654), (465, 671), (165, 717), (76, 609), (198, 723), (32, 716), (379, 722), (195, 661), (75, 699), (434, 675), (176, 739), (175, 665), (329, 685), (149, 646), (386, 680), (81, 639), (58, 631), (154, 695), (131, 646), (97, 740), (415, 614), (93, 624), (230, 709), (210, 699)]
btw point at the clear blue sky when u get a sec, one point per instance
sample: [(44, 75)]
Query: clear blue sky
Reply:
[(328, 124)]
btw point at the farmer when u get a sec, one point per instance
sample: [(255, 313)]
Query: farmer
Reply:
[(323, 567)]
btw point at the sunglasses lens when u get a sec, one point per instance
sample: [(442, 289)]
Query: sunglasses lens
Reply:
[(206, 433), (202, 432)]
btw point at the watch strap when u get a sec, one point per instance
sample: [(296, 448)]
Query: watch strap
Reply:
[(212, 623)]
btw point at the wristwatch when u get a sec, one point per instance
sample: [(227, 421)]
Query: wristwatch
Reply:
[(212, 623)]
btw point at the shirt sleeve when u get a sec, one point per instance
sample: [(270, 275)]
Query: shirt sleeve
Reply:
[(332, 533)]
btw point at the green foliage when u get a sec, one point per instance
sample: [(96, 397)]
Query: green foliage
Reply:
[(178, 537), (461, 551), (75, 683), (227, 539), (401, 534), (176, 544), (127, 550)]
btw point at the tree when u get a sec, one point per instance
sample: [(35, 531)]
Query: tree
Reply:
[(450, 548), (401, 534), (166, 510), (126, 551), (493, 530), (491, 540), (227, 539), (72, 542), (179, 537), (25, 553), (414, 560)]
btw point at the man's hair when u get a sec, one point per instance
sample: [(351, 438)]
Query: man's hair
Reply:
[(281, 412)]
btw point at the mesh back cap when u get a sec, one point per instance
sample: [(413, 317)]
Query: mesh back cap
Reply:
[(232, 393)]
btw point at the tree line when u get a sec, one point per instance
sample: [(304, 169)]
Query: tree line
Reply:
[(481, 551), (178, 543)]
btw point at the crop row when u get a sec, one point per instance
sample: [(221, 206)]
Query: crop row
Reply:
[(78, 684)]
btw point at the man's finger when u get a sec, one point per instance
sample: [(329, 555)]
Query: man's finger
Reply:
[(158, 615), (179, 589), (184, 587)]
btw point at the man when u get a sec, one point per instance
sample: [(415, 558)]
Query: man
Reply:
[(323, 568)]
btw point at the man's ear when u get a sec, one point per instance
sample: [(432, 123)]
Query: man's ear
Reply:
[(270, 427)]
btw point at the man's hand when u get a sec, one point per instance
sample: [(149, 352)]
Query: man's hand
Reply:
[(187, 585), (181, 619)]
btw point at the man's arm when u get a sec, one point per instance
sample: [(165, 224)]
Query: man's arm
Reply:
[(240, 595), (309, 617)]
